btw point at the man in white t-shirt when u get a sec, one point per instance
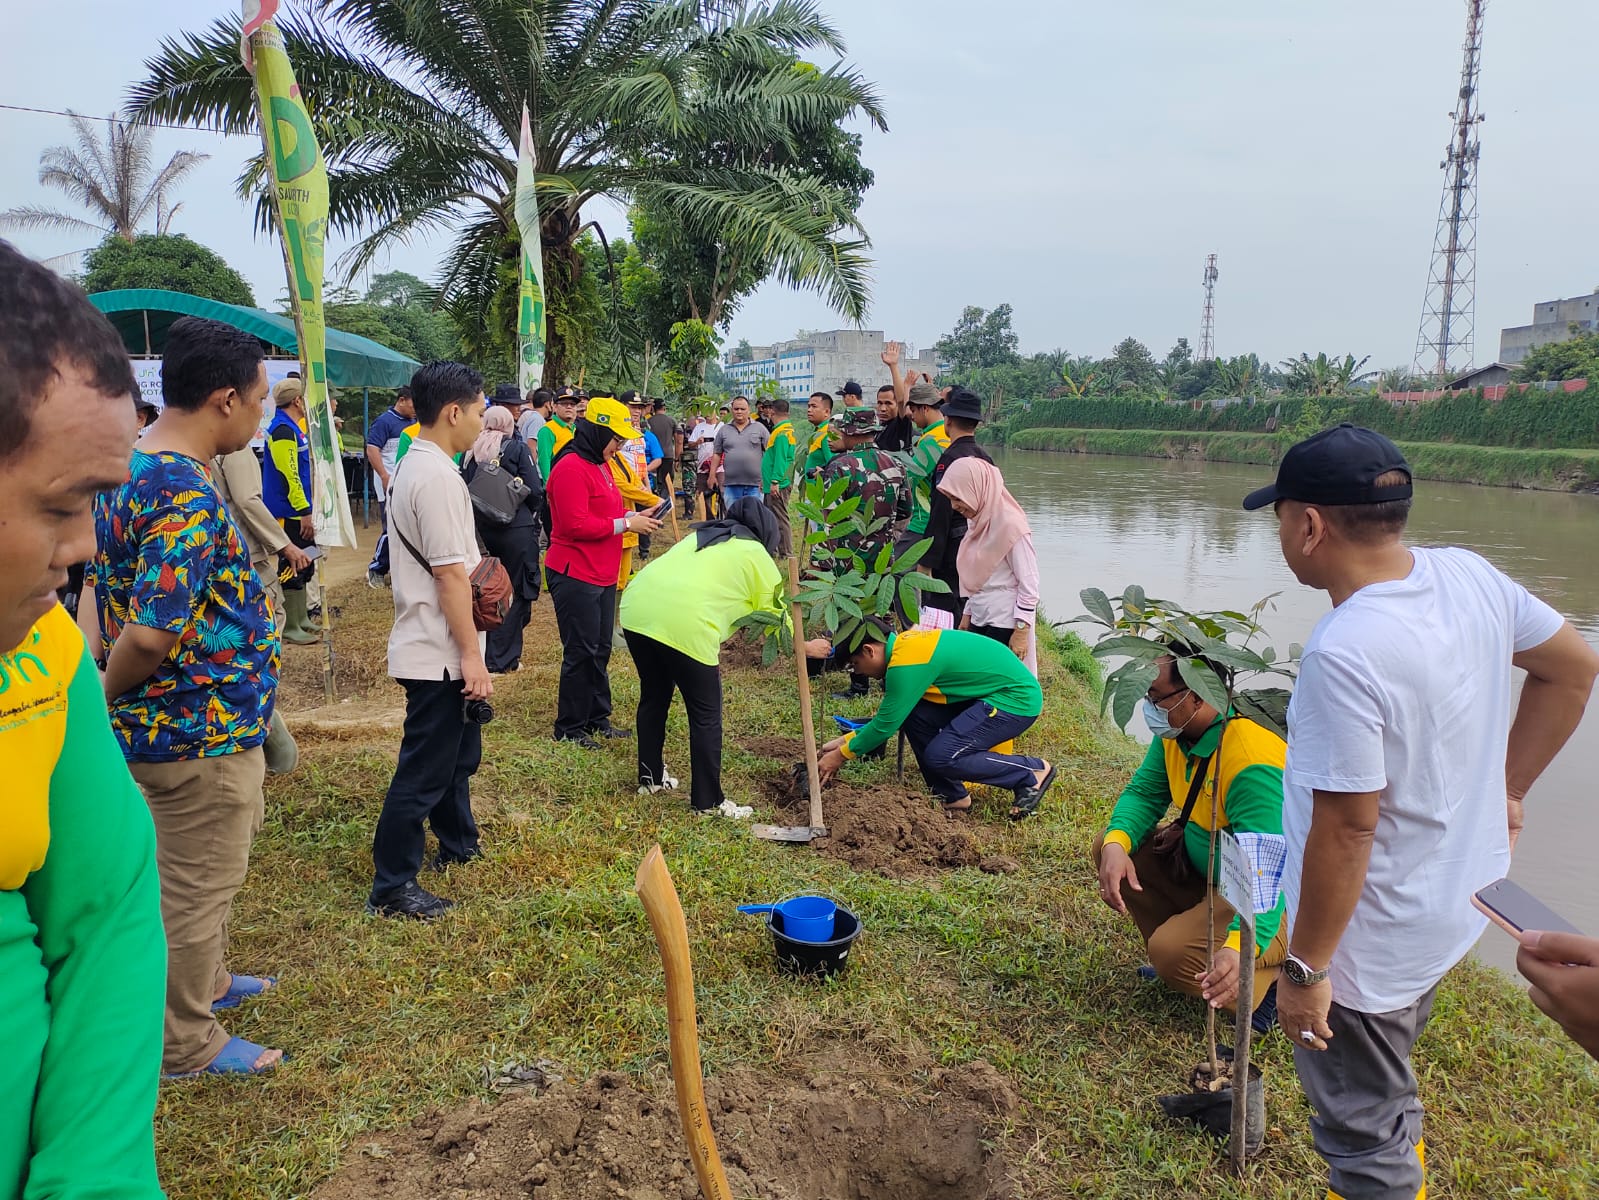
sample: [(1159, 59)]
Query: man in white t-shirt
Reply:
[(435, 650), (1403, 786), (703, 438)]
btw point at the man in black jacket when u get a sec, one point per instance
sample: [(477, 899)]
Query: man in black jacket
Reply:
[(963, 412)]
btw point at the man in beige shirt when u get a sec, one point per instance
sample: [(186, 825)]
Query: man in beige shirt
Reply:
[(238, 478), (435, 650)]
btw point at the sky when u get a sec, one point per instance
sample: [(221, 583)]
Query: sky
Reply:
[(1077, 160)]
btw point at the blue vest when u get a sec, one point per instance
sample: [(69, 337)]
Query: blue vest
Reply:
[(274, 487)]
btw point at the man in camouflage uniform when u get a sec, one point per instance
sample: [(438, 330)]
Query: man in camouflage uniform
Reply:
[(878, 478)]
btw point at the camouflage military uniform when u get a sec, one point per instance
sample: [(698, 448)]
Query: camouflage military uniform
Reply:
[(878, 478)]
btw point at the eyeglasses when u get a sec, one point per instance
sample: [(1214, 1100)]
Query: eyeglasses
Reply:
[(1157, 701)]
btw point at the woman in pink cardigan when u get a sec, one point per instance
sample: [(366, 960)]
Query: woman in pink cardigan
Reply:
[(998, 567)]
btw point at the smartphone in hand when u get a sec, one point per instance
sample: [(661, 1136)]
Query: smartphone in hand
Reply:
[(659, 511), (1514, 909)]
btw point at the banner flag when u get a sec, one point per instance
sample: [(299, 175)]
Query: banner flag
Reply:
[(530, 306), (300, 183)]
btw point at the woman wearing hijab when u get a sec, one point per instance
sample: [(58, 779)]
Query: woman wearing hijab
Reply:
[(675, 616), (516, 545), (588, 519), (998, 567)]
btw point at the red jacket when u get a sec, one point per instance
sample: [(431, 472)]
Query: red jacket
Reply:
[(584, 507)]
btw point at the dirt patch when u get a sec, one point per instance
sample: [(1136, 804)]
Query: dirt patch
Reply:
[(785, 750), (823, 1138), (887, 828)]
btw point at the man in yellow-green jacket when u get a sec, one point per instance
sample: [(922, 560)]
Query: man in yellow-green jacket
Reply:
[(286, 488), (1240, 789)]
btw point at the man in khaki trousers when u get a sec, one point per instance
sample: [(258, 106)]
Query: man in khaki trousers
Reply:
[(191, 677)]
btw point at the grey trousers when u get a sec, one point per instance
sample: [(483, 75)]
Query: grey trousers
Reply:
[(1366, 1121)]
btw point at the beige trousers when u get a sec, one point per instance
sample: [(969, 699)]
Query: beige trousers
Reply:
[(207, 812)]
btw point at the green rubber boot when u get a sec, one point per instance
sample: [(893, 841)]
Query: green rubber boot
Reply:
[(297, 629)]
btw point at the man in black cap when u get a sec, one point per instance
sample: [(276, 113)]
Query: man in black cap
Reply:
[(851, 392), (963, 413), (1402, 793)]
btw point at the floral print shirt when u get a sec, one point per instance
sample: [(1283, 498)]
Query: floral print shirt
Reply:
[(170, 558)]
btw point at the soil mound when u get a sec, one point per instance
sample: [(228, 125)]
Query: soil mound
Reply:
[(826, 1138), (886, 828)]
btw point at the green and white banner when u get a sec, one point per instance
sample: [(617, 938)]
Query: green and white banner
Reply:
[(300, 181), (530, 307)]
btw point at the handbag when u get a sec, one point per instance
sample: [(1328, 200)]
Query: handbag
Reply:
[(491, 583), (1167, 843), (496, 494)]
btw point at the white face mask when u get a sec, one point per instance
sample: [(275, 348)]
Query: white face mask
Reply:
[(1158, 721)]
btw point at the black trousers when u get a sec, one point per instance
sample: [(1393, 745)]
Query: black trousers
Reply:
[(585, 613), (439, 753), (292, 580), (951, 743), (998, 632), (660, 670), (517, 548), (666, 479)]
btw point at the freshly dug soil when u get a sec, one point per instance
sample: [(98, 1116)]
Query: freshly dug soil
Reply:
[(886, 828), (829, 1137), (784, 749)]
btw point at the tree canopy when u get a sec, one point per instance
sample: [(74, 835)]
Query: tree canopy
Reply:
[(703, 112), (168, 261), (1575, 358)]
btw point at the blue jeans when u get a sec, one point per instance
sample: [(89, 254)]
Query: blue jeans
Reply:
[(952, 747), (733, 492)]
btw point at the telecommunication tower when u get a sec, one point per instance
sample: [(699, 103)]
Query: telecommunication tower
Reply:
[(1207, 325), (1444, 344)]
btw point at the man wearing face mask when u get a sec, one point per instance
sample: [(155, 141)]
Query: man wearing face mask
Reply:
[(1239, 789)]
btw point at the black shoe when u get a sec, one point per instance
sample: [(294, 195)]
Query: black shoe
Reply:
[(851, 694), (413, 900), (610, 731), (582, 743), (1027, 798), (1265, 1016), (1148, 974)]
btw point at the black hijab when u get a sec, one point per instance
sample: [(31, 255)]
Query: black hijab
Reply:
[(590, 440), (746, 518)]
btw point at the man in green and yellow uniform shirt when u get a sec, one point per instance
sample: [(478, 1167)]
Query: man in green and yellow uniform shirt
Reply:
[(82, 953), (930, 446), (954, 696), (1241, 792), (818, 451), (777, 472), (557, 431)]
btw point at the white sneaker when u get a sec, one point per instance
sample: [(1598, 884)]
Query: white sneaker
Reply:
[(729, 810), (668, 784)]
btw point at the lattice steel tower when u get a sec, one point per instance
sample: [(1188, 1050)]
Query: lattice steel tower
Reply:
[(1207, 324), (1444, 344)]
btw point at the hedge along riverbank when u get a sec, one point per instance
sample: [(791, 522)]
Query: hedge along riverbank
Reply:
[(1531, 420), (1541, 470)]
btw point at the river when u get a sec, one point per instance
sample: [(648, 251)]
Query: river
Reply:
[(1177, 529)]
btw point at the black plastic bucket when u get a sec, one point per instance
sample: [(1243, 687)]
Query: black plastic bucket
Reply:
[(815, 958)]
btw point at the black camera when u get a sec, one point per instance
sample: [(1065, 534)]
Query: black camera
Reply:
[(476, 712)]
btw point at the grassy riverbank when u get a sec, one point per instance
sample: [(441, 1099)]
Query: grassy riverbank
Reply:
[(1543, 470), (548, 956)]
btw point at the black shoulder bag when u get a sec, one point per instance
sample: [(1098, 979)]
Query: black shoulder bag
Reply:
[(1167, 842)]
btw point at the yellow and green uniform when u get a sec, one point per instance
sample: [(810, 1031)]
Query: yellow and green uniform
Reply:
[(728, 581), (408, 436), (80, 912), (818, 451), (930, 448), (552, 438), (777, 462), (946, 666), (1242, 793)]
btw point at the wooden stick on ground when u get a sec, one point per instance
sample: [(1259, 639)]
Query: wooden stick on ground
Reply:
[(654, 886), (807, 723)]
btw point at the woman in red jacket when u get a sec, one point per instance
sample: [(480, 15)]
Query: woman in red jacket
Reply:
[(587, 520)]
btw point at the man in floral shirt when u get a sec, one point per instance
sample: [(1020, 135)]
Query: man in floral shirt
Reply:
[(192, 674)]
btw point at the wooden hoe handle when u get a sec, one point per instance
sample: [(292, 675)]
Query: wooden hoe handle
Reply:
[(807, 722), (654, 886)]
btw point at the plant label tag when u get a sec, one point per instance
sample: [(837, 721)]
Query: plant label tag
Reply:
[(1237, 877)]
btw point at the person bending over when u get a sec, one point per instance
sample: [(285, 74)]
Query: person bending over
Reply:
[(955, 694)]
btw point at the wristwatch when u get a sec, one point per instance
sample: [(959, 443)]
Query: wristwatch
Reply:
[(1020, 624), (1301, 973)]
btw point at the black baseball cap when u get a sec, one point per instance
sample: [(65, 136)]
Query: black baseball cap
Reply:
[(1338, 466), (849, 389)]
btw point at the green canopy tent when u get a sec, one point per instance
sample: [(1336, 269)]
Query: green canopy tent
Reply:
[(143, 315)]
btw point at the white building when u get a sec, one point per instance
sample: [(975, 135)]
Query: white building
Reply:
[(824, 362)]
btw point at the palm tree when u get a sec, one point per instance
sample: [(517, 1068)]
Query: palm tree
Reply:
[(111, 178), (690, 107)]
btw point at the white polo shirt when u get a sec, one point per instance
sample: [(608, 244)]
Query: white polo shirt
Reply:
[(431, 507), (1405, 690)]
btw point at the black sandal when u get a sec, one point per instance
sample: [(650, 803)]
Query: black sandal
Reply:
[(1028, 798)]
